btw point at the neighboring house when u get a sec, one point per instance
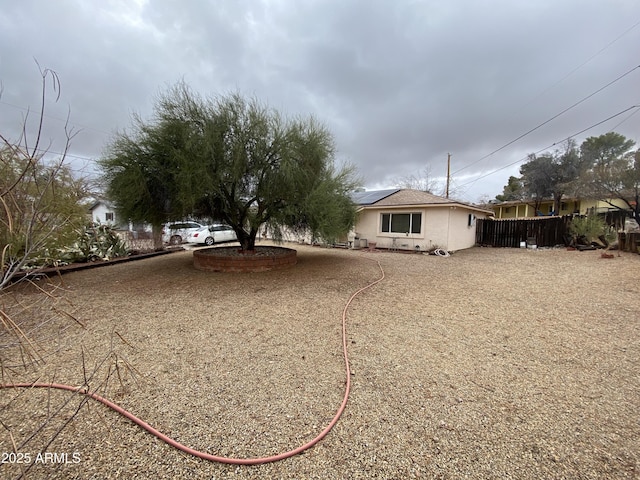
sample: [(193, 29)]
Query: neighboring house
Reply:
[(568, 206), (406, 219), (103, 212)]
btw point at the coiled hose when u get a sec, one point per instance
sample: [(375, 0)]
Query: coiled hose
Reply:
[(208, 456)]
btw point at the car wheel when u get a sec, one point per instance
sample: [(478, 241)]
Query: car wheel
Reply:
[(175, 240), (209, 241)]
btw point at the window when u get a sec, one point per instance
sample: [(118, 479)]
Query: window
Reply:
[(108, 217), (401, 222), (219, 228)]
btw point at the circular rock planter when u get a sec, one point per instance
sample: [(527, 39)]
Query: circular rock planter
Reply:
[(232, 259)]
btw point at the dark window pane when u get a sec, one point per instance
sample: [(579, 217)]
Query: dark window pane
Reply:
[(416, 221), (400, 222), (385, 221)]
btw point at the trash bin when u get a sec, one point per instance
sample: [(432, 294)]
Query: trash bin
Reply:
[(363, 243)]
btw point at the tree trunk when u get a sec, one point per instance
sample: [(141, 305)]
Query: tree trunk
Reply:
[(557, 201), (247, 240), (157, 237)]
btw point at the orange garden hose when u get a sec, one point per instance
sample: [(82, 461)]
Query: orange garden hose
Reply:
[(208, 456)]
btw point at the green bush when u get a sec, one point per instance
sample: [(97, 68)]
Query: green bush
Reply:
[(590, 228)]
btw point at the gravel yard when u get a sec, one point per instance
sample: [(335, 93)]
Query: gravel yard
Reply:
[(491, 363)]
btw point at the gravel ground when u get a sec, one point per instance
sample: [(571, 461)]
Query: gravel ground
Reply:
[(491, 363)]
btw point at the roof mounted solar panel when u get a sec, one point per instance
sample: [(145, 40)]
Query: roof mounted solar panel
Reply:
[(372, 196)]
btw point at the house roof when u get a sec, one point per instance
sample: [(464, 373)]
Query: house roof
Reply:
[(531, 201), (414, 197), (408, 197), (372, 196), (101, 202)]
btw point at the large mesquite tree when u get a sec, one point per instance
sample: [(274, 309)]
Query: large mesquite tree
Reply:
[(234, 160)]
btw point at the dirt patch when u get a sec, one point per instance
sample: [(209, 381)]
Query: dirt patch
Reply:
[(491, 363)]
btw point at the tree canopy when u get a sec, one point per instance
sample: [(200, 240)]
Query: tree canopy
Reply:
[(614, 171), (231, 159), (513, 190), (552, 174)]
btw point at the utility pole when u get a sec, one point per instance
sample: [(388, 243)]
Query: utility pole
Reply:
[(448, 173)]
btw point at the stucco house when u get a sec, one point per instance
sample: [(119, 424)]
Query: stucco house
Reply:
[(405, 219)]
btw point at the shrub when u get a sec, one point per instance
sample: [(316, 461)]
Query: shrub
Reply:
[(96, 242), (590, 228)]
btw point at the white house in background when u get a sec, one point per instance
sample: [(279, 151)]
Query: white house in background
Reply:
[(104, 213), (406, 219)]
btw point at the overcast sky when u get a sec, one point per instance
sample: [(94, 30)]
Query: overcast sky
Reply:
[(400, 83)]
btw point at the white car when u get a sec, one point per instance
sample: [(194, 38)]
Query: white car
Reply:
[(217, 233), (177, 232)]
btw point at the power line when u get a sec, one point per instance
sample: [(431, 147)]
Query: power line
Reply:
[(615, 127), (550, 119), (45, 115), (552, 145), (65, 155), (586, 61), (556, 83)]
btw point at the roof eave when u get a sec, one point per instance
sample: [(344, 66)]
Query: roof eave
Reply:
[(424, 205)]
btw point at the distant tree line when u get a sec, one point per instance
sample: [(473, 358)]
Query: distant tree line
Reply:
[(604, 167)]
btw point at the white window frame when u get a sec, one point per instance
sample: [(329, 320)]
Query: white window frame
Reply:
[(411, 223)]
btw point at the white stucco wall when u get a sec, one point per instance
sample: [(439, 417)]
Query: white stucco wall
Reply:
[(444, 227), (99, 214), (461, 234)]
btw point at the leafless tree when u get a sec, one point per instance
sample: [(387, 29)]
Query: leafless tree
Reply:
[(34, 211), (40, 208), (423, 180), (40, 200)]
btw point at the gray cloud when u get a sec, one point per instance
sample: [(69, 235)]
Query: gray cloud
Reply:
[(400, 83)]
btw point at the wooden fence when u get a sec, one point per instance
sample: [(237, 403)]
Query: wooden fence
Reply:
[(629, 242), (543, 231)]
